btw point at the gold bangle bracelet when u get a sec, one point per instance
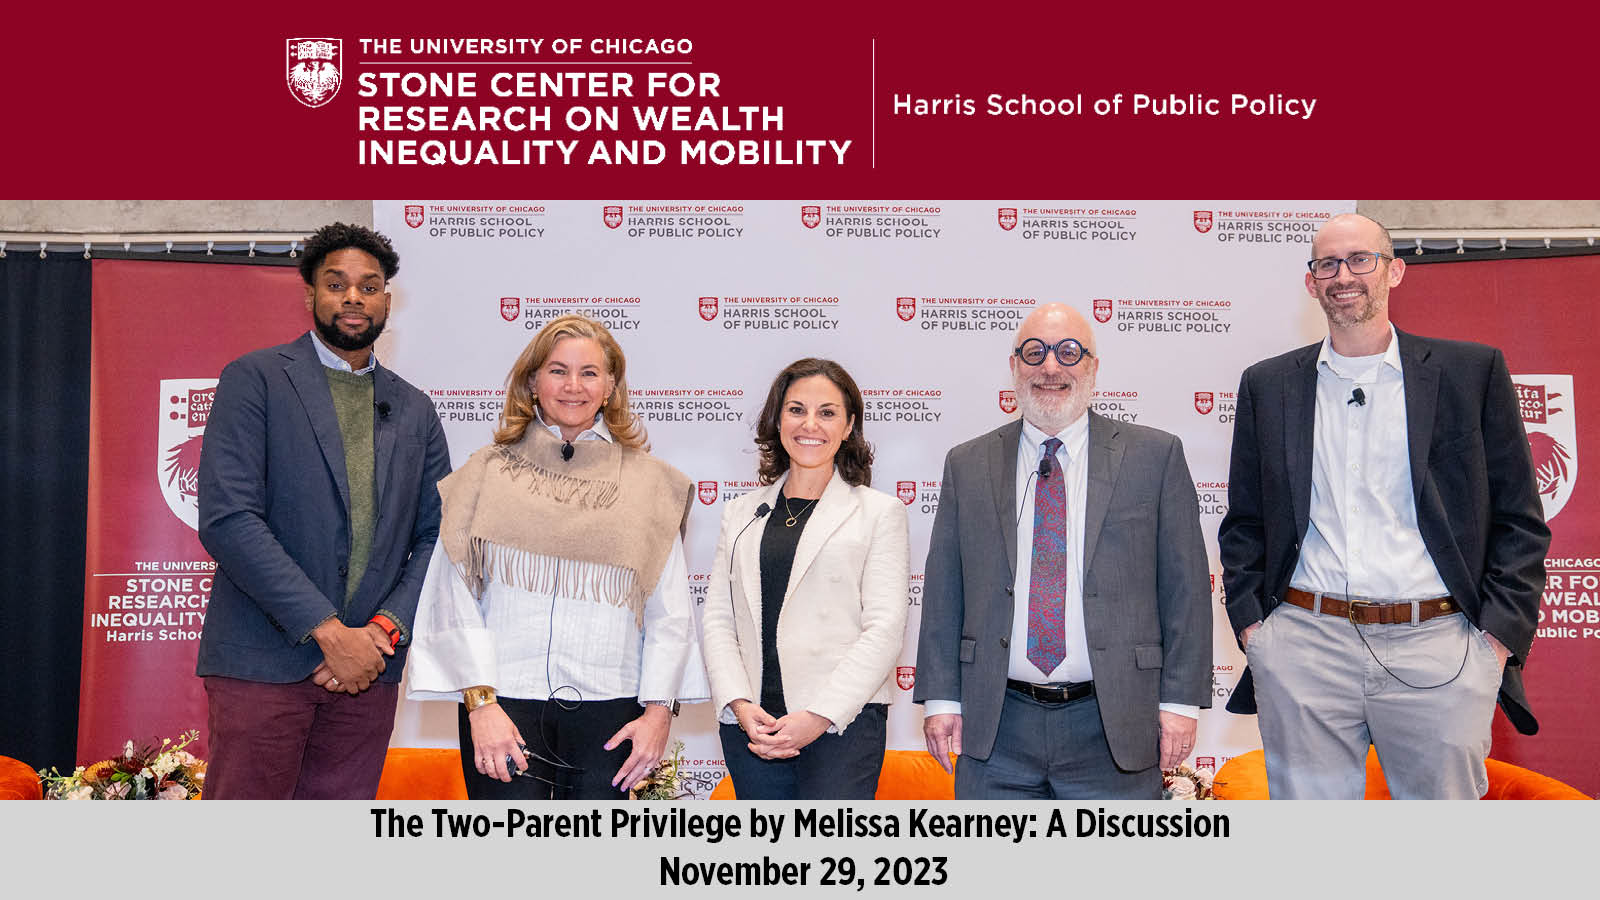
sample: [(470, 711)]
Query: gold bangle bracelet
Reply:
[(475, 697)]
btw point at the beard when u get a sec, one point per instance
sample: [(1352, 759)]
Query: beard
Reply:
[(1344, 317), (339, 340), (1051, 411)]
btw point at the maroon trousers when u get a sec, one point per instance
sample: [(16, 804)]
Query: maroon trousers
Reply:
[(295, 741)]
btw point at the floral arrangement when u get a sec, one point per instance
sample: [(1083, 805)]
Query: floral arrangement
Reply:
[(165, 772), (1187, 783), (664, 781)]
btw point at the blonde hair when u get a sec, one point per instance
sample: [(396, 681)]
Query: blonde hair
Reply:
[(521, 403)]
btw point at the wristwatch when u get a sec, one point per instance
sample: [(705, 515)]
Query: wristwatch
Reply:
[(671, 705)]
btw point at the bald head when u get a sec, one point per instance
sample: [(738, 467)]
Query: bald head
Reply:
[(1357, 227), (1056, 319)]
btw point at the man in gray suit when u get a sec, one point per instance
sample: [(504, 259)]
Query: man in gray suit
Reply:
[(1066, 624), (319, 502)]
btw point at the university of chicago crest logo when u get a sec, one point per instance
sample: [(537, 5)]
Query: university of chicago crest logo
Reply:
[(905, 308), (1202, 220), (1547, 415), (612, 216), (810, 216), (510, 307), (414, 216), (905, 676), (1008, 402), (185, 409), (312, 69), (1204, 402), (1102, 310), (906, 491), (708, 492), (1008, 218), (708, 308)]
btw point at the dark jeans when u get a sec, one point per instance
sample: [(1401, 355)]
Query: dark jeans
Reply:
[(832, 767), (576, 736), (295, 741)]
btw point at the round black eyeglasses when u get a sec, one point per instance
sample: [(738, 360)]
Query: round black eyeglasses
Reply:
[(1068, 351)]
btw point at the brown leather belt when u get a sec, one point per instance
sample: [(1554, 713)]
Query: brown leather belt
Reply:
[(1363, 612), (1045, 693)]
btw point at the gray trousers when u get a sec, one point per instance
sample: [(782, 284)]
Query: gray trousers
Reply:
[(1052, 751), (1324, 696)]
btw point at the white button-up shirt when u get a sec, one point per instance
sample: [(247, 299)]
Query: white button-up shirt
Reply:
[(1362, 540), (527, 645), (1071, 462)]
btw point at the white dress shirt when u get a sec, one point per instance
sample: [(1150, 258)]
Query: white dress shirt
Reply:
[(529, 645), (1071, 461), (1362, 540)]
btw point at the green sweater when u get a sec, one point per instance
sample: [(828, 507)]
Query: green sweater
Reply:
[(352, 402)]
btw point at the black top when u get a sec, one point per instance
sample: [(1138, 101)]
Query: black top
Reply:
[(778, 544)]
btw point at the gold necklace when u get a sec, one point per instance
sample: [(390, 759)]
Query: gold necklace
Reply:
[(793, 516)]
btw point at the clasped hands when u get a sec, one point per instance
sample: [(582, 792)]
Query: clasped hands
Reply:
[(782, 738), (352, 658)]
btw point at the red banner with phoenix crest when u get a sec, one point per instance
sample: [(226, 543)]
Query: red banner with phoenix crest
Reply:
[(161, 333), (1526, 308)]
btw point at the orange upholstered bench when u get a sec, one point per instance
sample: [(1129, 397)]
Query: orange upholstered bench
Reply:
[(18, 780), (906, 775), (422, 773), (1245, 778)]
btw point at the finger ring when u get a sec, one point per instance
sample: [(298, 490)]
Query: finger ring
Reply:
[(333, 681)]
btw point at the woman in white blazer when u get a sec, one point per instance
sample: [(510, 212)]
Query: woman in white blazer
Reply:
[(806, 609)]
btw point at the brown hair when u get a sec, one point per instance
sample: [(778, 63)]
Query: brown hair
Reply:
[(854, 459), (521, 403)]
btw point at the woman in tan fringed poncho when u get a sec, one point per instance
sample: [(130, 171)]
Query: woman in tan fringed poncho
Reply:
[(556, 606)]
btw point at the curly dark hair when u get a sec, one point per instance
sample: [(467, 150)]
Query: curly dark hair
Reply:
[(339, 236), (854, 459)]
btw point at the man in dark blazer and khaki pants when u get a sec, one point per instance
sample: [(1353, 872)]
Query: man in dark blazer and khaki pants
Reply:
[(319, 502), (1383, 550), (1065, 644)]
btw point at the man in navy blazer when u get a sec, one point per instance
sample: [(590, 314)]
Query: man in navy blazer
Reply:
[(1383, 550), (318, 501)]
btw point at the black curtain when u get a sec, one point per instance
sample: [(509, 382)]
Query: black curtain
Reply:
[(44, 476)]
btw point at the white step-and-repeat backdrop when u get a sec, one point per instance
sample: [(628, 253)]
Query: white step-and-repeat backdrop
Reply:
[(918, 299)]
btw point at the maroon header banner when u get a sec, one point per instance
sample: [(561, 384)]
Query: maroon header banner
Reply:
[(161, 333), (822, 99)]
